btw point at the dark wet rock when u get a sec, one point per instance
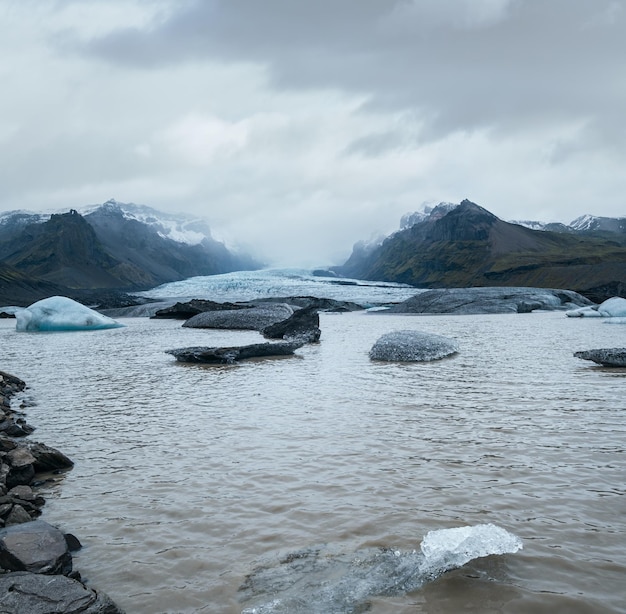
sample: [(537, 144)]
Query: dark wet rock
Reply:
[(303, 325), (34, 546), (185, 311), (28, 593), (229, 355), (412, 346), (255, 318), (607, 357), (22, 471), (17, 515), (490, 300), (73, 543), (9, 384), (47, 458), (5, 315)]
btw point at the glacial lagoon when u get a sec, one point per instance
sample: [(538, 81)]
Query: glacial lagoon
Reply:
[(191, 479)]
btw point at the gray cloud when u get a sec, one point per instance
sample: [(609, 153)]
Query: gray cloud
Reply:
[(462, 65)]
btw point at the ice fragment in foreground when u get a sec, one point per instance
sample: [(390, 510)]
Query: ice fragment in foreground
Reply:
[(59, 313), (321, 580)]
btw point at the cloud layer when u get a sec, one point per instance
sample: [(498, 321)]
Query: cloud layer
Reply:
[(299, 128)]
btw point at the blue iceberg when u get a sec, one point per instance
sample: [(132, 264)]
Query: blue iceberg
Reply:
[(59, 313)]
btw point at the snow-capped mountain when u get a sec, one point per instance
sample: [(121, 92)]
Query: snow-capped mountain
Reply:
[(587, 223), (428, 211), (113, 245), (584, 223), (177, 227)]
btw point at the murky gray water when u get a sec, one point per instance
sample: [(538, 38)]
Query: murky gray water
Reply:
[(187, 477)]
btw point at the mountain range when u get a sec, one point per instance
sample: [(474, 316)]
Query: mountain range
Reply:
[(115, 245), (465, 245)]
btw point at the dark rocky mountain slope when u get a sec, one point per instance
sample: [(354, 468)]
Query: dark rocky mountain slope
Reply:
[(469, 246), (107, 249)]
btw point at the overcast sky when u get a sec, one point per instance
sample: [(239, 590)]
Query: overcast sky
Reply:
[(297, 127)]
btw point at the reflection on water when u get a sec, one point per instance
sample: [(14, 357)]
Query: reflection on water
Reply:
[(188, 477)]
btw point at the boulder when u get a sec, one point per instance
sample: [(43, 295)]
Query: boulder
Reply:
[(614, 307), (229, 355), (490, 300), (255, 318), (412, 346), (34, 546), (47, 458), (303, 324), (23, 592), (607, 357)]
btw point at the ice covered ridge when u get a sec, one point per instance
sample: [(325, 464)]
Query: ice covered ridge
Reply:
[(319, 581), (59, 313)]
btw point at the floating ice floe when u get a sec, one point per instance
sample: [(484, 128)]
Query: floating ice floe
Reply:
[(59, 313), (412, 346), (614, 307), (319, 581)]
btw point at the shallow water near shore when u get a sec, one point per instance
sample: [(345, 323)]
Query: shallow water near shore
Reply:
[(188, 477)]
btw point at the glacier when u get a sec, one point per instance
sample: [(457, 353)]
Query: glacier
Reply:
[(322, 580), (59, 313)]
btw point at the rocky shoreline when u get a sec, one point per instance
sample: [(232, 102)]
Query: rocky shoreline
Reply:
[(36, 573)]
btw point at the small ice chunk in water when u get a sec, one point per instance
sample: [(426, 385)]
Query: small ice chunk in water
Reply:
[(451, 548), (59, 313), (319, 581)]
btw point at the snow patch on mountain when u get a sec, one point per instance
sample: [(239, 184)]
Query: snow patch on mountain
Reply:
[(177, 227)]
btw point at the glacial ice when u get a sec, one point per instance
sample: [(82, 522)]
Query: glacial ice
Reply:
[(614, 307), (322, 580), (59, 313)]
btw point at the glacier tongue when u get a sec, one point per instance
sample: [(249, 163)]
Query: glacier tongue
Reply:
[(59, 313)]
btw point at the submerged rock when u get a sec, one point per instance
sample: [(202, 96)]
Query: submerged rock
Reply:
[(29, 593), (412, 346), (59, 313), (490, 300), (303, 325), (229, 355), (614, 307), (255, 318), (607, 357)]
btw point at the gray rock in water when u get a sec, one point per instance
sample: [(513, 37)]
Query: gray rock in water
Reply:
[(34, 546), (607, 357), (185, 311), (412, 346), (28, 593), (229, 355), (490, 300), (303, 324), (255, 318)]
